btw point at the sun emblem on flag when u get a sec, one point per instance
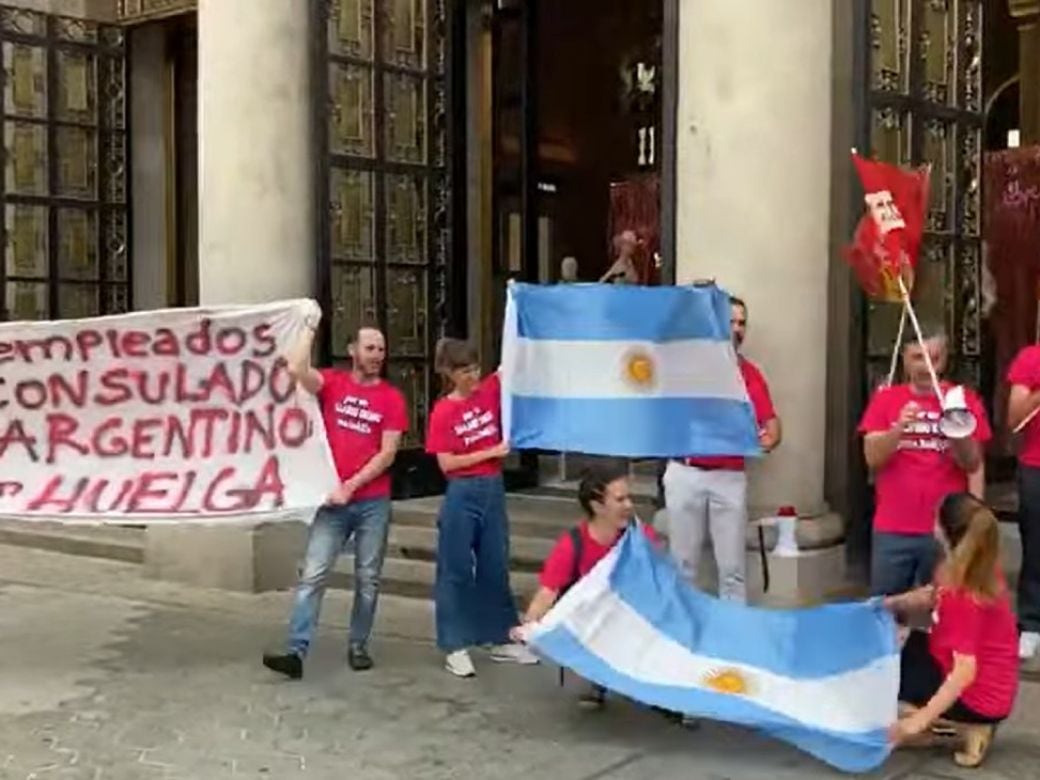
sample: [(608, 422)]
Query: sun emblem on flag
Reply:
[(729, 681), (638, 369)]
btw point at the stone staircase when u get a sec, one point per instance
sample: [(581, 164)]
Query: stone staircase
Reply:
[(537, 519)]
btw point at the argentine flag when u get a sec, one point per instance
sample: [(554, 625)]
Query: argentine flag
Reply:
[(824, 679), (623, 370)]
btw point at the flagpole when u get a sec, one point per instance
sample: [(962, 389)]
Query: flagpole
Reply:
[(895, 349), (920, 338)]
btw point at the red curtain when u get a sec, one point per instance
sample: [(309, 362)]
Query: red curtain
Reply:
[(635, 204), (1012, 232)]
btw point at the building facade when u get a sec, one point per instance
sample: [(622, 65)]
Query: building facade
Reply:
[(401, 159)]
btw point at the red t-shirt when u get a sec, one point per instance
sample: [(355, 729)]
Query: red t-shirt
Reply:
[(467, 425), (356, 417), (558, 569), (1025, 371), (922, 472), (987, 631), (761, 401)]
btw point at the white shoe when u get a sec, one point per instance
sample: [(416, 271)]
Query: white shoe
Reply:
[(1028, 645), (513, 654), (460, 664)]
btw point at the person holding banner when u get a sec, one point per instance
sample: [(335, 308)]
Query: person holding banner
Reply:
[(1024, 420), (915, 464), (473, 600), (365, 417)]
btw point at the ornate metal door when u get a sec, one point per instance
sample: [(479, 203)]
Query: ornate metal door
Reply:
[(383, 195), (64, 188), (923, 73)]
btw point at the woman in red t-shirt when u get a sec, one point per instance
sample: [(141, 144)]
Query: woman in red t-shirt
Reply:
[(473, 601), (965, 669), (607, 503)]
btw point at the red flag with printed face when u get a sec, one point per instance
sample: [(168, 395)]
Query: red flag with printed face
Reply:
[(888, 238)]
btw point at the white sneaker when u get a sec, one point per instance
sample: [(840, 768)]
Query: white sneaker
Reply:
[(513, 654), (460, 664), (1028, 645)]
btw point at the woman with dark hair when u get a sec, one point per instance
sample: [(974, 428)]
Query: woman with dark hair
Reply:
[(474, 604), (607, 505), (965, 669)]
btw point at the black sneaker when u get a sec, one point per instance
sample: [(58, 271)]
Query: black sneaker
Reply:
[(289, 664), (359, 659), (595, 698)]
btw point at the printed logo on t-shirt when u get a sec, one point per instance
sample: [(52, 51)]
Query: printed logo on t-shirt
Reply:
[(355, 414), (476, 425), (923, 434)]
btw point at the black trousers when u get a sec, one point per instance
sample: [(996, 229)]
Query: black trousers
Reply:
[(1029, 530), (921, 678)]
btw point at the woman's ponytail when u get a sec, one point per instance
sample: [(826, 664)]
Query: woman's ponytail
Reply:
[(973, 534)]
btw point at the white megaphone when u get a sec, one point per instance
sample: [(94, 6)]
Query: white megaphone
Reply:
[(957, 420)]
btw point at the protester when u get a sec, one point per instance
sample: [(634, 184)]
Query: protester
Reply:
[(914, 466), (365, 418), (965, 669), (473, 600), (1023, 403), (708, 495), (605, 499)]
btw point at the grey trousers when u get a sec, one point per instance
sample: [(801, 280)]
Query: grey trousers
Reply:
[(702, 502)]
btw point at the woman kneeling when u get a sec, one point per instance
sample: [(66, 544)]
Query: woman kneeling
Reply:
[(964, 671)]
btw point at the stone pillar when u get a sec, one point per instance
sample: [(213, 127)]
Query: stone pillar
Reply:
[(256, 239), (753, 146), (256, 193), (1026, 14)]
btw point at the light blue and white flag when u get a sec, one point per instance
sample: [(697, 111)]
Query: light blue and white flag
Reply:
[(825, 679), (623, 370)]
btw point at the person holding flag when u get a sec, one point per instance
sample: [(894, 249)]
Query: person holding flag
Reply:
[(473, 601), (915, 466), (922, 439)]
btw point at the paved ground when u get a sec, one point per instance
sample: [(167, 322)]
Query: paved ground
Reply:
[(104, 675)]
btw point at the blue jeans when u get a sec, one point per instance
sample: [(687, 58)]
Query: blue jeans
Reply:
[(368, 521), (474, 604), (900, 562)]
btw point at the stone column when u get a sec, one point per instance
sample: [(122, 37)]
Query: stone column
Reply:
[(753, 207), (256, 239), (1026, 14), (256, 199)]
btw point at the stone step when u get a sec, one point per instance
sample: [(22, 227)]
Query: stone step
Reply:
[(530, 515), (415, 542), (118, 543), (415, 578)]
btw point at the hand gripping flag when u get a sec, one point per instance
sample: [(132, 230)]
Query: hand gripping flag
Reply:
[(824, 679), (623, 370), (887, 240)]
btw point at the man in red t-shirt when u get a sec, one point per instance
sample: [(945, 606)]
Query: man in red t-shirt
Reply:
[(915, 467), (605, 499), (1024, 378), (364, 418), (708, 495)]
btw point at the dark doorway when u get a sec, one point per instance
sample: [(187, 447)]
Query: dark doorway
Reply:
[(183, 59)]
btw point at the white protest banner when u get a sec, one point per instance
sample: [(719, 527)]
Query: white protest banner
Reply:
[(167, 415)]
